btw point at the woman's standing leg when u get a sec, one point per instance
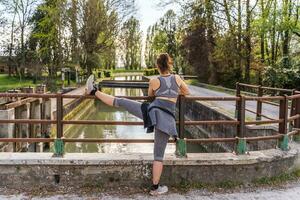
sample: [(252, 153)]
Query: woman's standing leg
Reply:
[(160, 142)]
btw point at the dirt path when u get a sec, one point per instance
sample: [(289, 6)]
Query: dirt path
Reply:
[(288, 192)]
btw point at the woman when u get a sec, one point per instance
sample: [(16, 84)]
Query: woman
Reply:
[(160, 114)]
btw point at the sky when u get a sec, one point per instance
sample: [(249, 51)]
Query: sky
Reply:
[(149, 13)]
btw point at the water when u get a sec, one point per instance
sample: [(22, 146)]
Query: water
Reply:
[(100, 111)]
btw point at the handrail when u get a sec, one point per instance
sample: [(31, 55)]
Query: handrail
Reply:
[(297, 96), (265, 88), (260, 98), (27, 121), (203, 98), (240, 123)]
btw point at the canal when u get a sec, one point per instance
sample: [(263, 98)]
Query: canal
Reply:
[(96, 110)]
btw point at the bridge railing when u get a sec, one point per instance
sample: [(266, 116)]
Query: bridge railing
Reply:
[(260, 91), (282, 136)]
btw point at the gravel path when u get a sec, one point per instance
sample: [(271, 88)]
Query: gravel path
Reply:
[(290, 192)]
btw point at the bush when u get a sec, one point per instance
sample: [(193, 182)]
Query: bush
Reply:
[(107, 73), (279, 76), (151, 72)]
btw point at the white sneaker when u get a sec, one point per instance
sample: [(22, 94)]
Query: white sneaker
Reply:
[(89, 87), (162, 189)]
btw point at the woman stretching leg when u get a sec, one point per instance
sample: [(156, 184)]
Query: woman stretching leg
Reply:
[(165, 89)]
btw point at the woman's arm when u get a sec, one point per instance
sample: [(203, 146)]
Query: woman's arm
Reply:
[(184, 90), (153, 85), (150, 89)]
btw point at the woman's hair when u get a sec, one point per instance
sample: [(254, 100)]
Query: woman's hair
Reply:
[(164, 63)]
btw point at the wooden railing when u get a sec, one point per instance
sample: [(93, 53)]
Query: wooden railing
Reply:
[(240, 122)]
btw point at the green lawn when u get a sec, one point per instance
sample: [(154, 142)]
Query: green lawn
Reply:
[(7, 83)]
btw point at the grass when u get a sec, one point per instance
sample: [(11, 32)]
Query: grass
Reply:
[(278, 180), (8, 83)]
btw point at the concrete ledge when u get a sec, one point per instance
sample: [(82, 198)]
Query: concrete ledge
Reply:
[(74, 159), (115, 170)]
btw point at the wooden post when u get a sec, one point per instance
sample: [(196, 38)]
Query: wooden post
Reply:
[(297, 111), (237, 103), (293, 111), (181, 116), (259, 103), (59, 116), (181, 142), (58, 144), (297, 121), (283, 114), (241, 128)]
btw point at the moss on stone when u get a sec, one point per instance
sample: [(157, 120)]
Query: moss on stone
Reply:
[(277, 180), (186, 186)]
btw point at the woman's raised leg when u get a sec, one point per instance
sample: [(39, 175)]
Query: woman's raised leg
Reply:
[(107, 99), (133, 107)]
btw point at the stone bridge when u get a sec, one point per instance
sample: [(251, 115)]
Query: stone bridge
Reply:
[(238, 161)]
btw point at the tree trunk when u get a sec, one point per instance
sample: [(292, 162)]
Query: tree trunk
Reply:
[(210, 41), (23, 59), (11, 45), (273, 34), (248, 42), (286, 33), (262, 43), (74, 39), (239, 43)]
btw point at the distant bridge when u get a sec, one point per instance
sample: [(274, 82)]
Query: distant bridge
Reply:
[(141, 84), (124, 84)]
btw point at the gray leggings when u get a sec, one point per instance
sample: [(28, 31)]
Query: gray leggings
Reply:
[(160, 139)]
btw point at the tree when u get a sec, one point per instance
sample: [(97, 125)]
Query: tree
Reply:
[(131, 38), (162, 37), (98, 33), (48, 32), (22, 11)]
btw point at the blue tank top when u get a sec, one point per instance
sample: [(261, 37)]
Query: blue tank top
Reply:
[(168, 87)]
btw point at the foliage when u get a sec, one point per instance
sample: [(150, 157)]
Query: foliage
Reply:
[(97, 34), (54, 34), (107, 73), (282, 77), (131, 38), (222, 41), (151, 72), (163, 37), (238, 41)]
